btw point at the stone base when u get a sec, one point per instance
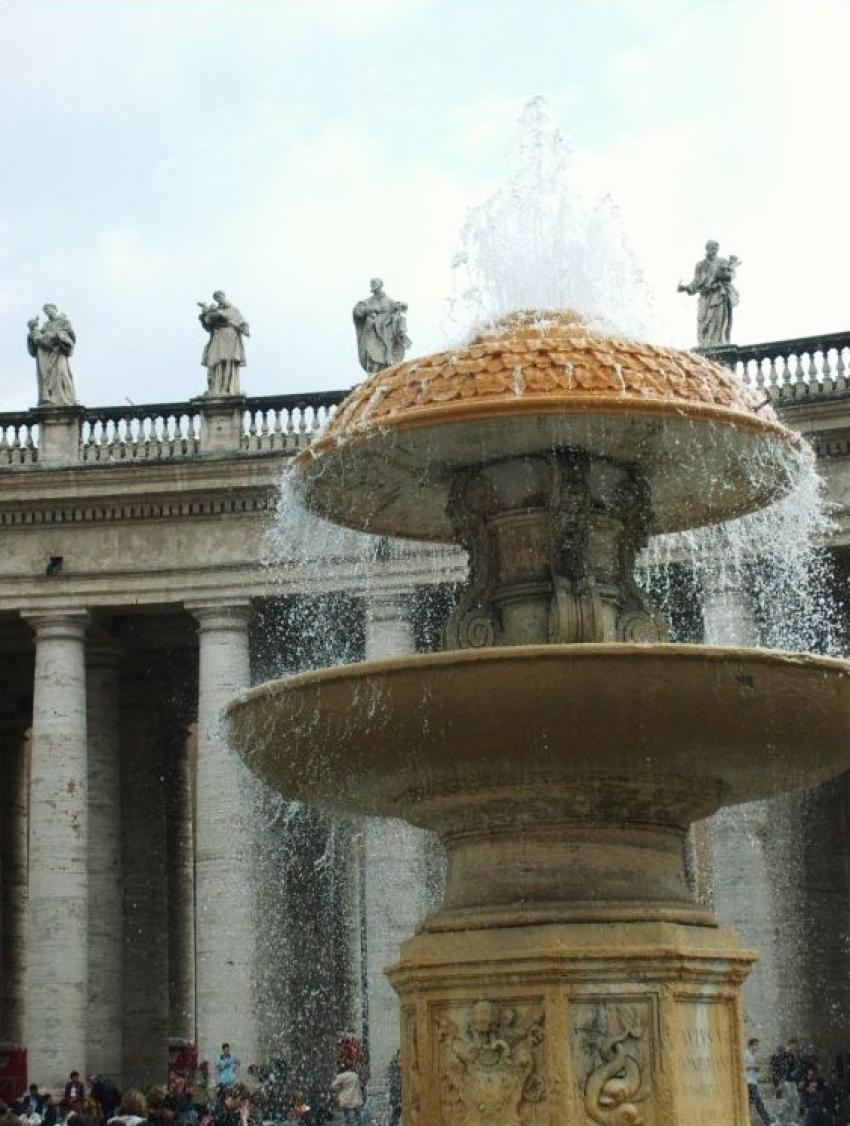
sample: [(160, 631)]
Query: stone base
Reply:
[(613, 1024)]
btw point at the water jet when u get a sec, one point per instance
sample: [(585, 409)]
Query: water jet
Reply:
[(559, 744)]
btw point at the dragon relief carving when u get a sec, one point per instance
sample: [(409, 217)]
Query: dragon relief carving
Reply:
[(490, 1066), (616, 1089)]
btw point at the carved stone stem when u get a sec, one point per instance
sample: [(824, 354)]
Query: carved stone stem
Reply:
[(552, 541)]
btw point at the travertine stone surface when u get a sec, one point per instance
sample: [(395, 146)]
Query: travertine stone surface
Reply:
[(395, 875), (106, 892), (609, 1024), (180, 816), (58, 920), (224, 952), (14, 760), (146, 907)]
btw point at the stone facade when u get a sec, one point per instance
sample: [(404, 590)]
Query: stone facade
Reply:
[(136, 584)]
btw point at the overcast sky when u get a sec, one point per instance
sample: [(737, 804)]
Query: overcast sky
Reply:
[(288, 151)]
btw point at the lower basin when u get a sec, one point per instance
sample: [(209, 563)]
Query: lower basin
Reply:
[(595, 726), (560, 778)]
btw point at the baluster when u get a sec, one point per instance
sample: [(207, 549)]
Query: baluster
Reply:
[(801, 386), (841, 369)]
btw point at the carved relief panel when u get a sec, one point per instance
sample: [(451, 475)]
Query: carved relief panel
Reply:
[(490, 1064), (612, 1058), (410, 1072)]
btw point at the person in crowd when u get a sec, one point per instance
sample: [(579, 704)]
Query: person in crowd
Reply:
[(106, 1095), (159, 1112), (226, 1067), (201, 1088), (349, 1096), (788, 1110), (751, 1070), (133, 1110), (74, 1098), (817, 1113), (30, 1115), (299, 1110), (49, 1110), (32, 1100)]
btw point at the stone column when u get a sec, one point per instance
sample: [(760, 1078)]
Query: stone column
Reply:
[(14, 754), (224, 903), (146, 906), (106, 907), (395, 857), (181, 887), (742, 841), (58, 921)]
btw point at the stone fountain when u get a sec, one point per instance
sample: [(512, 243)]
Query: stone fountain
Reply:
[(559, 745)]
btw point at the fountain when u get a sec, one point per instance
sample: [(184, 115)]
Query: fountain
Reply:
[(559, 745)]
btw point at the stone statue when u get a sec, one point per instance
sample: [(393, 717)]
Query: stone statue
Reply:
[(381, 328), (713, 277), (51, 344), (224, 353)]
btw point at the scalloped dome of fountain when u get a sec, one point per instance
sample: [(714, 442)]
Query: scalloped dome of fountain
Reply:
[(538, 381)]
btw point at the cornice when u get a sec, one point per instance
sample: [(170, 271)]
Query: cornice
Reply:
[(139, 508)]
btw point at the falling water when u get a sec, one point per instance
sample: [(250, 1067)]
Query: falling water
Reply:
[(538, 242), (541, 242)]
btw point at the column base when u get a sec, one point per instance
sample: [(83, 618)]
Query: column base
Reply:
[(614, 1024)]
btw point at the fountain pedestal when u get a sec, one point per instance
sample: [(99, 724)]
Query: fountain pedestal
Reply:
[(619, 1024), (568, 979)]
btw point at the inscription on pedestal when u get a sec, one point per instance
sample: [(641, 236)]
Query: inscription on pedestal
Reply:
[(706, 1081)]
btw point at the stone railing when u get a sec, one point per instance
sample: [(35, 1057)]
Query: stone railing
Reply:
[(18, 438), (787, 371), (286, 423), (164, 431), (130, 433)]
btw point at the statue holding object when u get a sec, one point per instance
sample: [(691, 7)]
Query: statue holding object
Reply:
[(51, 344), (713, 277), (224, 352)]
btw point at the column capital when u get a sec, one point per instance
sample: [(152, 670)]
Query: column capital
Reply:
[(220, 615), (57, 625)]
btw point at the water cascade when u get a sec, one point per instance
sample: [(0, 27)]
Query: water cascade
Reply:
[(559, 745)]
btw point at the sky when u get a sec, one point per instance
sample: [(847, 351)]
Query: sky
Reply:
[(287, 151)]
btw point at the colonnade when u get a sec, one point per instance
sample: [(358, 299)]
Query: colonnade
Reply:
[(128, 844), (103, 859)]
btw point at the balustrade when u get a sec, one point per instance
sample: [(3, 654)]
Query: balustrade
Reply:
[(784, 371), (18, 439), (787, 371), (145, 433), (286, 423)]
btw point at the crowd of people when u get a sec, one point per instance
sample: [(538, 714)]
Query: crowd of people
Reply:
[(199, 1097), (806, 1093)]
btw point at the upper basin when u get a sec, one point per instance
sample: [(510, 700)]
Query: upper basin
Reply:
[(649, 732), (709, 448)]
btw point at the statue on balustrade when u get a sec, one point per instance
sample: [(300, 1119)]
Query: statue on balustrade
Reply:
[(381, 327), (713, 277), (51, 344), (224, 352)]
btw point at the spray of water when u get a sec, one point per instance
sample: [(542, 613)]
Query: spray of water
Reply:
[(541, 242), (770, 564)]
